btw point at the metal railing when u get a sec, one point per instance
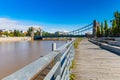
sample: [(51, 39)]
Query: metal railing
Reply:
[(62, 58)]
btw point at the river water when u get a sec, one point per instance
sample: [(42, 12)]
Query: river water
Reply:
[(15, 55)]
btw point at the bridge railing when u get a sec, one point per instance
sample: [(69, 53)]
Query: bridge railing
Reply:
[(62, 57)]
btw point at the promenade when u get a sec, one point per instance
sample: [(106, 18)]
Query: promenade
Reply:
[(94, 63)]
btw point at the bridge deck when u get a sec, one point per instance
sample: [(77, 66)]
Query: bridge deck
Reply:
[(94, 63)]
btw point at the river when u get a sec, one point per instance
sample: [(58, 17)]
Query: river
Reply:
[(15, 55)]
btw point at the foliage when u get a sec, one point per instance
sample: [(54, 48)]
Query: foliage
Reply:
[(73, 64), (106, 28), (44, 33), (102, 30), (15, 33), (6, 33), (76, 43), (113, 31), (29, 31), (116, 24), (98, 31), (11, 34), (72, 76)]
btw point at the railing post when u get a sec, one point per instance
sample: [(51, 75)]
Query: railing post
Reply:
[(53, 46), (67, 41), (57, 59), (58, 72)]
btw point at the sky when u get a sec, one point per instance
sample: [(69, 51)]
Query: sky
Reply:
[(55, 15)]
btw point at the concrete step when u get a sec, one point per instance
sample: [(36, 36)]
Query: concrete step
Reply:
[(109, 47), (114, 43)]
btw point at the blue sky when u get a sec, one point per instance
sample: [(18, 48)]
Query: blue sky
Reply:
[(55, 15)]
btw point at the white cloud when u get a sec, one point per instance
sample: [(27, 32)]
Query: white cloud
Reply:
[(51, 30), (10, 24), (6, 23)]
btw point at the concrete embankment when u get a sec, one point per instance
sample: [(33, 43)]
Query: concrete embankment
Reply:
[(56, 39), (12, 39), (108, 46)]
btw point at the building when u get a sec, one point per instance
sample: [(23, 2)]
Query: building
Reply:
[(5, 30), (61, 33)]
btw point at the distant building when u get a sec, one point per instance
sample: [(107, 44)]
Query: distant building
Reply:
[(61, 33), (5, 30)]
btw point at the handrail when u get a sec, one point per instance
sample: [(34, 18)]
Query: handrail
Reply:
[(54, 69), (28, 72), (61, 69)]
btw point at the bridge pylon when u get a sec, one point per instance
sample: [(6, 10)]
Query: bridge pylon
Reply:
[(35, 29), (95, 26)]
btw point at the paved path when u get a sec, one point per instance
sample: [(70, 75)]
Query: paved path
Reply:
[(94, 63)]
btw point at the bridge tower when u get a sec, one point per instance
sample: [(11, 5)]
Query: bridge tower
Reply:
[(40, 31), (35, 29), (95, 26)]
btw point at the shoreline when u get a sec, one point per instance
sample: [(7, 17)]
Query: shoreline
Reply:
[(17, 39), (14, 39)]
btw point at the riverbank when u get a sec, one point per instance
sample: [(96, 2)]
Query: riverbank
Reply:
[(56, 39), (13, 39)]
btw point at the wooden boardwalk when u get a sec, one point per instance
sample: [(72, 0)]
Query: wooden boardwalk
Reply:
[(94, 63)]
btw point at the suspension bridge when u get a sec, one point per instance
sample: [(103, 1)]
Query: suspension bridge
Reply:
[(89, 29)]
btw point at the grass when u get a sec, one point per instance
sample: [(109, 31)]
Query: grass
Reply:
[(77, 41), (73, 64), (72, 77)]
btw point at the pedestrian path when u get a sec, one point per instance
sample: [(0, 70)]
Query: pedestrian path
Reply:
[(94, 63)]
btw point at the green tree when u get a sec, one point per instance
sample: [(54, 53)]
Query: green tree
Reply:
[(44, 33), (102, 30), (6, 33), (106, 28), (98, 32), (11, 34), (29, 31), (116, 24), (114, 28), (17, 33), (110, 32)]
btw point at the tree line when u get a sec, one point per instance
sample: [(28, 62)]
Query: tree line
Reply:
[(18, 33), (114, 31), (15, 33)]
